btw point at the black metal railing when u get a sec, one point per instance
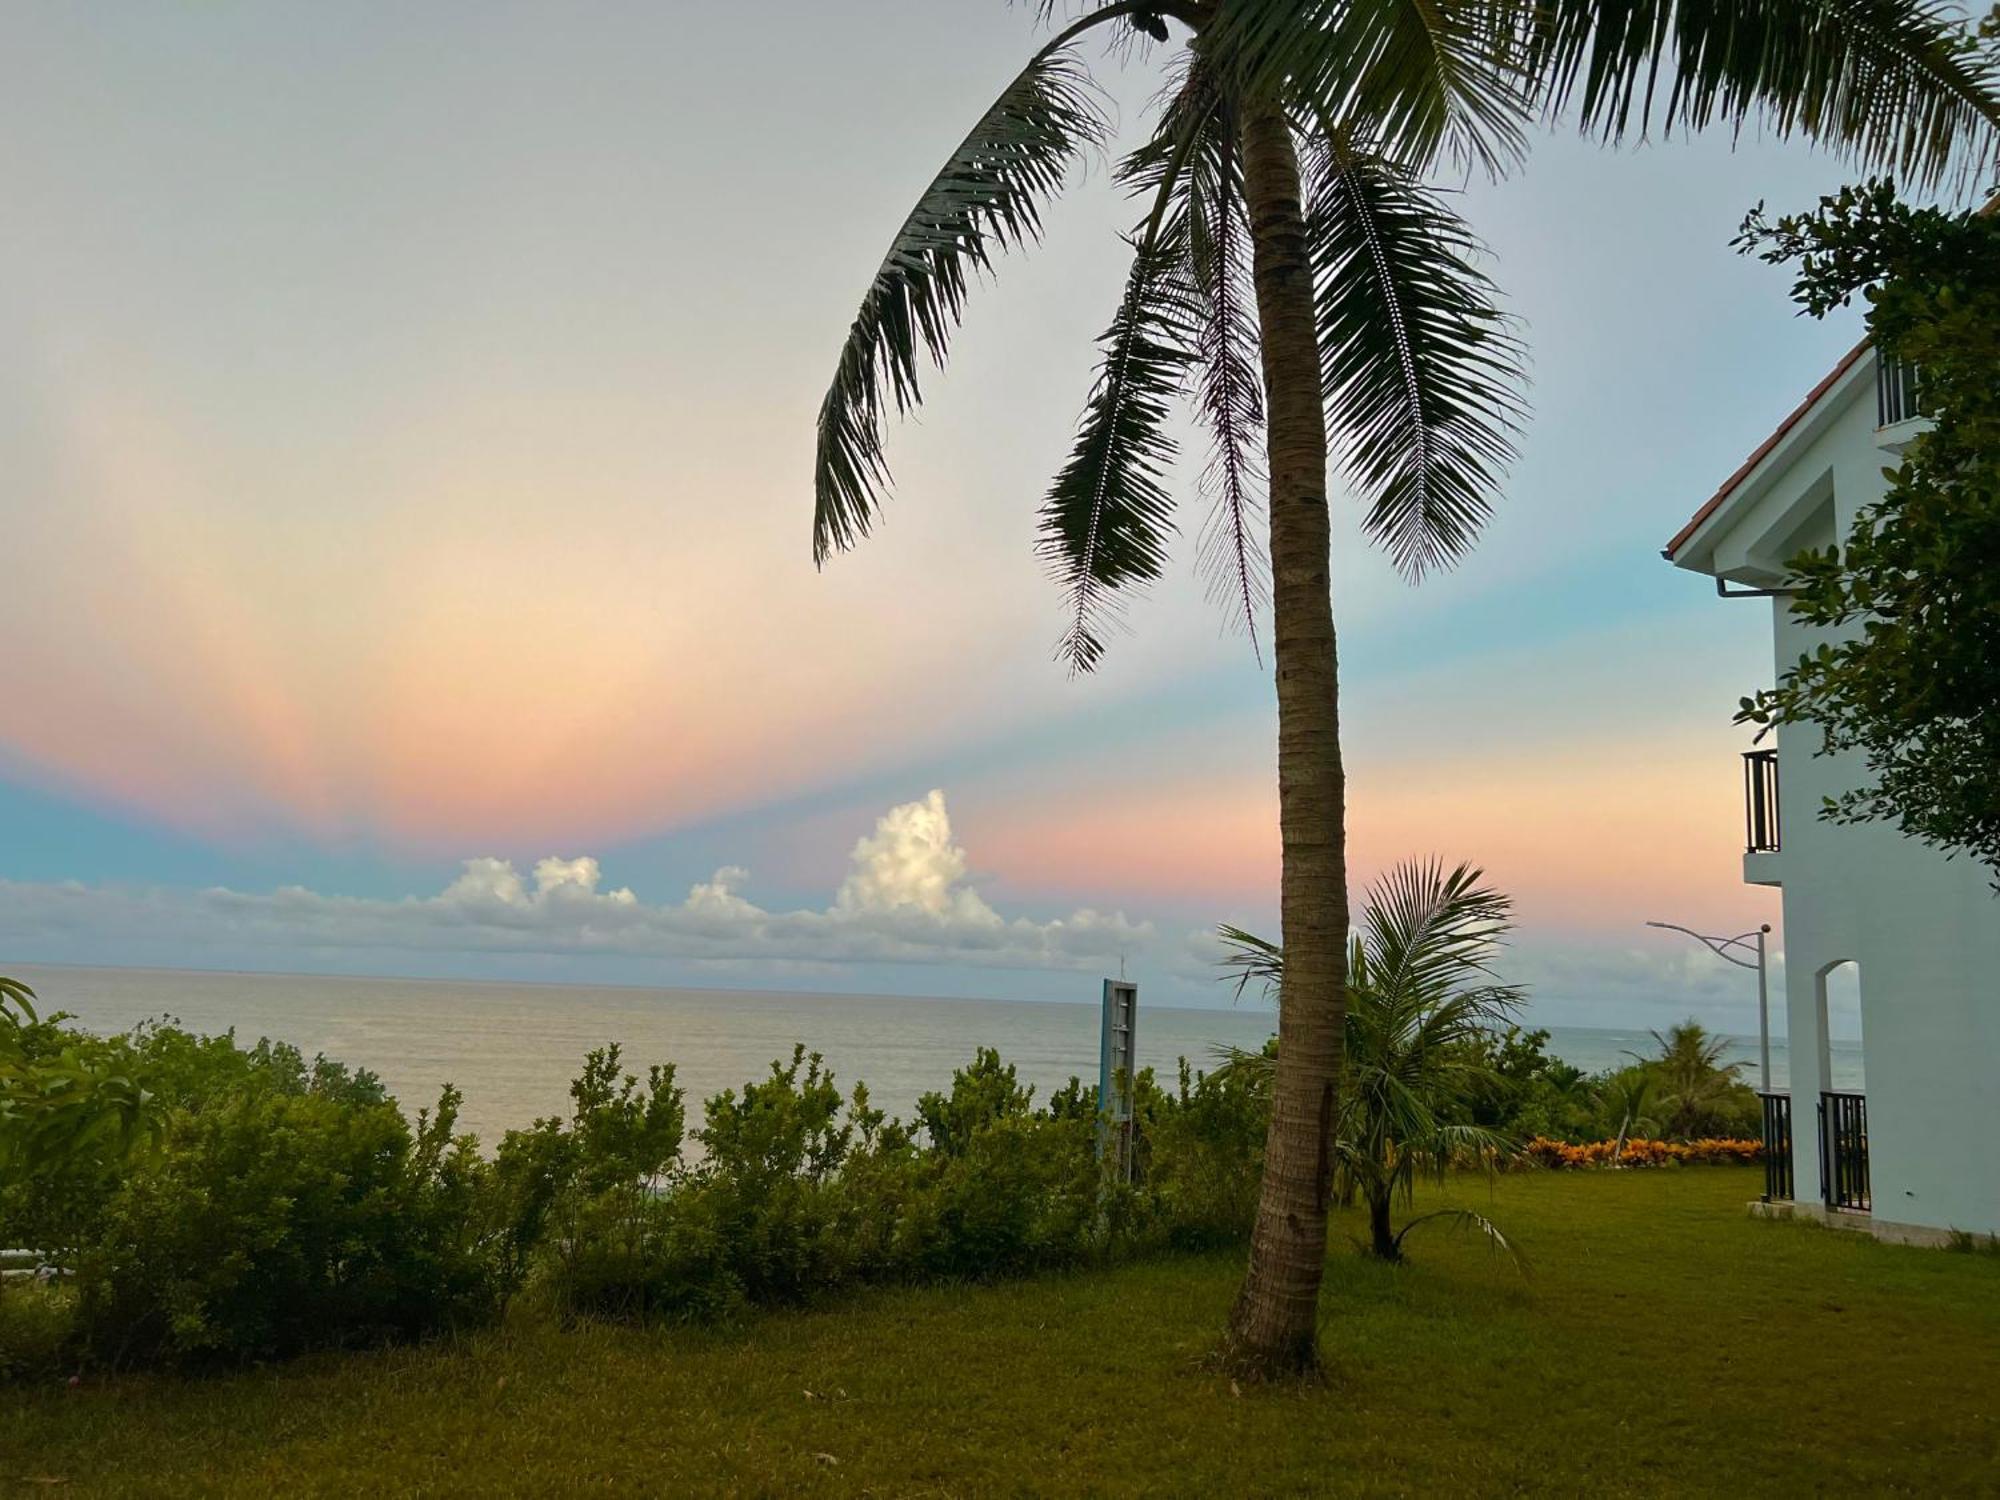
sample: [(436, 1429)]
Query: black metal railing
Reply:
[(1777, 1147), (1843, 1150), (1898, 392), (1760, 801)]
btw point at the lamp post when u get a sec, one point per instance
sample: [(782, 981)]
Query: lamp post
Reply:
[(1753, 942)]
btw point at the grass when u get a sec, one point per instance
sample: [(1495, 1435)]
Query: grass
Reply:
[(1664, 1343)]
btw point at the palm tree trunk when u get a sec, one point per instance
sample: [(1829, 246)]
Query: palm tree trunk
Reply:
[(1379, 1228), (1272, 1327)]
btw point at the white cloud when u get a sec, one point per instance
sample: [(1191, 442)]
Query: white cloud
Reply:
[(555, 878), (717, 897), (905, 900), (910, 863), (486, 880)]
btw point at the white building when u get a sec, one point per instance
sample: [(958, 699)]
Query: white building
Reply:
[(1919, 1155)]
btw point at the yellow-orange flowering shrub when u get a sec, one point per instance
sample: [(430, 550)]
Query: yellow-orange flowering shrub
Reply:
[(1640, 1152)]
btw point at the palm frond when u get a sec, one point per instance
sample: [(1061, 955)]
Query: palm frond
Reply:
[(1426, 930), (1228, 384), (1894, 83), (1259, 1068), (1198, 135), (1478, 1223), (1422, 372), (1423, 78), (1252, 960), (987, 198), (1414, 1007), (17, 1002), (1108, 516)]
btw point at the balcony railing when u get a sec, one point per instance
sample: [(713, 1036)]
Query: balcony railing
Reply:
[(1760, 801), (1843, 1150), (1898, 393), (1777, 1147)]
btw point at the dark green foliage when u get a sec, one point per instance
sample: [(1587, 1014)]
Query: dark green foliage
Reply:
[(582, 1185), (985, 1092), (283, 1205), (1697, 1093), (1413, 349), (80, 1114), (800, 1192), (72, 1107), (1108, 518), (1530, 1093), (1880, 80), (1637, 1362), (1425, 381), (987, 198), (1683, 1092), (1421, 1000), (37, 1330), (1202, 1150), (1917, 690), (267, 1205), (282, 1220)]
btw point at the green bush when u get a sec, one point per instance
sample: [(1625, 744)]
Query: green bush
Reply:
[(276, 1222), (1202, 1153), (230, 1202), (800, 1192), (272, 1204), (36, 1320)]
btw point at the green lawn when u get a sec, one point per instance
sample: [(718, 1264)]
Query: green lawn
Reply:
[(1665, 1342)]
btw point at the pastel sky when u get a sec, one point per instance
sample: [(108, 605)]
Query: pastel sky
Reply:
[(405, 437)]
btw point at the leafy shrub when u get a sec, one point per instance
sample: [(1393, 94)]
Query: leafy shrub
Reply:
[(1202, 1152), (579, 1192), (35, 1329), (982, 1094), (1642, 1152), (278, 1221), (272, 1204), (1683, 1092), (1529, 1093), (800, 1191)]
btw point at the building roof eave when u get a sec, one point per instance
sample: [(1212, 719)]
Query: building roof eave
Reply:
[(1763, 451)]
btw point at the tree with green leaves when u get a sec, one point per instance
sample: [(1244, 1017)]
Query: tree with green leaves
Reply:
[(1298, 279), (1694, 1083), (1631, 1096), (1420, 998), (1913, 684), (62, 1101)]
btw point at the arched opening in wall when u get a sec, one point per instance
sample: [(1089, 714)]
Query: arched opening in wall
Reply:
[(1843, 1105), (1840, 1027)]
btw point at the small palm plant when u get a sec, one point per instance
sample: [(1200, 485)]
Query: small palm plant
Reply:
[(1419, 992), (1694, 1080), (1631, 1097)]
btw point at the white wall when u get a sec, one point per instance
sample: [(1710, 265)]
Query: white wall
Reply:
[(1924, 930)]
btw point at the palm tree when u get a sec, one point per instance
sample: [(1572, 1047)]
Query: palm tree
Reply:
[(1631, 1095), (1293, 274), (1419, 992), (1693, 1078)]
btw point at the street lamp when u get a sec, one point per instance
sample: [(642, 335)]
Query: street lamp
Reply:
[(1753, 942)]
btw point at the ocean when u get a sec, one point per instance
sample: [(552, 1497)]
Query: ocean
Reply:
[(513, 1048)]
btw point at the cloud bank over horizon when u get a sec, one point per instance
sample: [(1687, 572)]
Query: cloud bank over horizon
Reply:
[(908, 901), (906, 898)]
